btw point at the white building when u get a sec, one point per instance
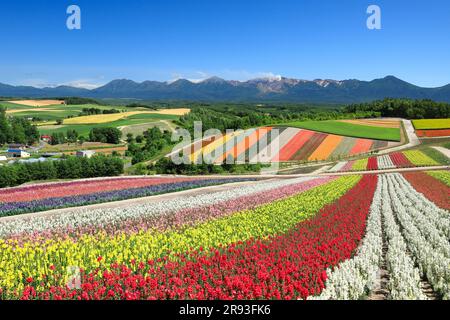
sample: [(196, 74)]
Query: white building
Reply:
[(18, 153), (85, 153)]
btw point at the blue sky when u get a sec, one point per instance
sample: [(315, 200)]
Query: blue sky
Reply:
[(233, 39)]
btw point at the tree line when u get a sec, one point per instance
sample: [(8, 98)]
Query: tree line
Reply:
[(103, 135), (66, 168), (244, 118), (166, 166), (403, 108), (145, 147), (16, 130), (96, 111)]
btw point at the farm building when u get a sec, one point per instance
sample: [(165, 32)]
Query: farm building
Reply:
[(17, 146), (46, 138), (85, 153), (17, 153)]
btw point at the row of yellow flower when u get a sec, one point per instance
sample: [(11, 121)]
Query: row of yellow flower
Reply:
[(34, 260), (360, 165), (419, 159)]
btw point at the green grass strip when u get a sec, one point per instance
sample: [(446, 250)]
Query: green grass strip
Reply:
[(349, 129), (443, 176), (436, 155)]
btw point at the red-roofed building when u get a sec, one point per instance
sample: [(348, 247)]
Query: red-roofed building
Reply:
[(46, 138)]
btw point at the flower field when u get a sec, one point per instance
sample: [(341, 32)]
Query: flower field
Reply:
[(433, 133), (415, 233), (281, 145), (310, 237), (70, 194), (430, 124), (406, 159)]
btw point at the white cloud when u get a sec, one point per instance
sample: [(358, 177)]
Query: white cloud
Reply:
[(83, 83), (195, 77), (245, 75), (239, 75)]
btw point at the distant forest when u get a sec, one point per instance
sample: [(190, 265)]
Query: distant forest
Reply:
[(16, 130), (242, 116), (403, 108)]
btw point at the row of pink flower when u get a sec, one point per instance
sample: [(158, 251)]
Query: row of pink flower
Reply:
[(185, 217), (348, 166), (56, 190)]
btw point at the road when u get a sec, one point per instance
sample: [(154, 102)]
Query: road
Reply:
[(413, 140)]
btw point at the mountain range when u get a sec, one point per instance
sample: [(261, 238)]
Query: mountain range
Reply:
[(256, 90)]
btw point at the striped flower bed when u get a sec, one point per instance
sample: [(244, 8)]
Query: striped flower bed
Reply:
[(405, 159), (280, 144), (76, 188), (91, 251), (128, 191), (274, 239)]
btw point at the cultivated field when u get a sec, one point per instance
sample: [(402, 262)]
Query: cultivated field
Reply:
[(431, 124), (328, 237), (369, 129), (105, 118), (374, 122), (432, 128), (282, 145), (37, 103), (435, 133), (405, 159)]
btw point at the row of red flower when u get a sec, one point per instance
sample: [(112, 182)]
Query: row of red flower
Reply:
[(288, 266), (430, 187)]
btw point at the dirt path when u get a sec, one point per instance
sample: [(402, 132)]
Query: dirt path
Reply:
[(169, 124), (381, 291), (412, 137)]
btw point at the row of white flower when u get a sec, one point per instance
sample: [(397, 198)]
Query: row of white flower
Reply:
[(423, 240), (424, 208), (79, 217), (385, 162), (416, 235), (404, 281)]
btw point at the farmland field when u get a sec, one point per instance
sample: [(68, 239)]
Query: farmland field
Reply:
[(405, 159), (433, 133), (130, 120), (352, 129), (281, 144), (431, 124), (36, 103), (324, 236), (105, 118)]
